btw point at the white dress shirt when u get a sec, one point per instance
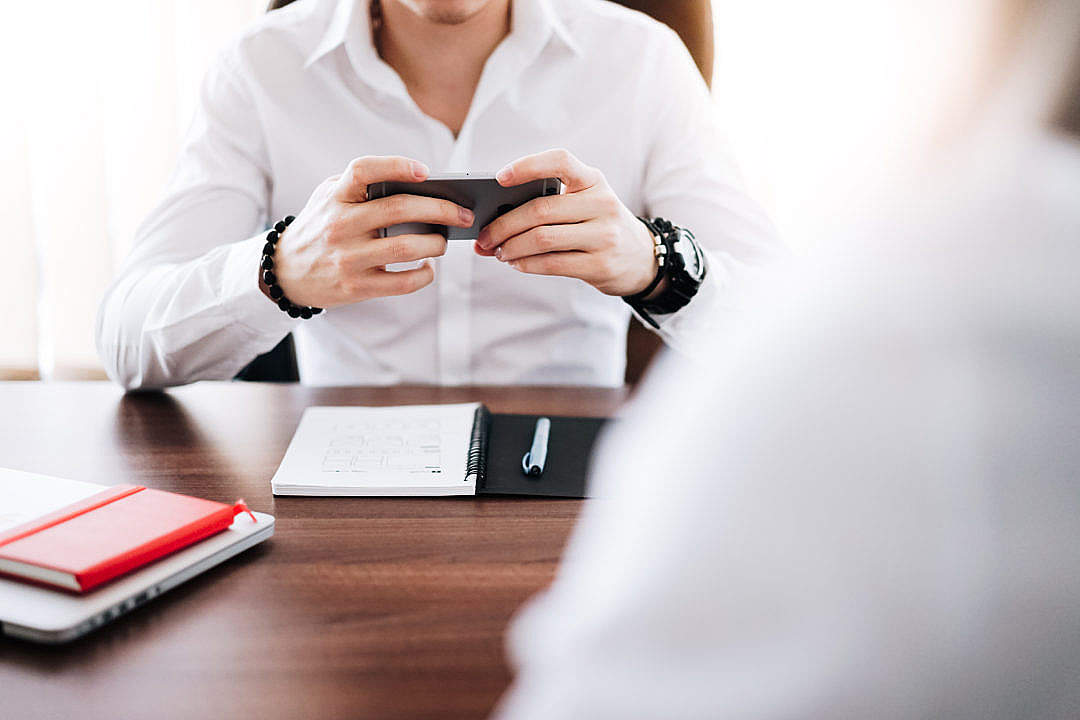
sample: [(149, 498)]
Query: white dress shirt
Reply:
[(303, 92), (868, 508)]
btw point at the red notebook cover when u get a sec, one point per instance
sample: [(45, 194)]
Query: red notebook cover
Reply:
[(108, 534)]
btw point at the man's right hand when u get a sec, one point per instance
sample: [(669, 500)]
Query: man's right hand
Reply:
[(332, 254)]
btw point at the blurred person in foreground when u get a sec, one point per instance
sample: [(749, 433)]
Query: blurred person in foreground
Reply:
[(873, 507)]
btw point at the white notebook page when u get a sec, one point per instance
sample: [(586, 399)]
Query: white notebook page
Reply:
[(26, 496), (404, 450)]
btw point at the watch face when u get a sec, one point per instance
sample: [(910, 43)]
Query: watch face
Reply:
[(685, 270), (691, 256)]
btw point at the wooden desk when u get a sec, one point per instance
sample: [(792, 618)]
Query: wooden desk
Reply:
[(387, 608)]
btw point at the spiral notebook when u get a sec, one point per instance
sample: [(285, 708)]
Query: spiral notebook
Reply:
[(458, 449)]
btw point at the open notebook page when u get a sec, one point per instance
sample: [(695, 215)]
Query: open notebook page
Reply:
[(404, 450)]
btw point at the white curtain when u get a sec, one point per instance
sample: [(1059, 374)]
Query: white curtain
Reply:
[(96, 97)]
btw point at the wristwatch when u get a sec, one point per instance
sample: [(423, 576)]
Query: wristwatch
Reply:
[(680, 260)]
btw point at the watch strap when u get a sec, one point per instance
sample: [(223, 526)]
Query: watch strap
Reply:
[(681, 286), (660, 253)]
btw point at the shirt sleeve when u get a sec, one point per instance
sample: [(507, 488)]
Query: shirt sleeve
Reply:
[(691, 180), (186, 304)]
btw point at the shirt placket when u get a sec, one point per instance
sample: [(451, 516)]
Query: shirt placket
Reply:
[(455, 268), (454, 284), (453, 271)]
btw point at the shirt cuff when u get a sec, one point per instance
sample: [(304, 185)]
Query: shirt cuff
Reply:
[(691, 325), (242, 299)]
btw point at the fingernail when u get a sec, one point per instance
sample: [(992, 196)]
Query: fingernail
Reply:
[(513, 264), (483, 238), (504, 175), (466, 215), (419, 169), (498, 252)]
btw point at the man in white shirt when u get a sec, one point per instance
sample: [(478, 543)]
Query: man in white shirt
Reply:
[(869, 507), (321, 98)]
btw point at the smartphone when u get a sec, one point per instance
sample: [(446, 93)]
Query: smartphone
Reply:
[(480, 193)]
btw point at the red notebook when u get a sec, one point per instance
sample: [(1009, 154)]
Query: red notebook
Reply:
[(108, 534)]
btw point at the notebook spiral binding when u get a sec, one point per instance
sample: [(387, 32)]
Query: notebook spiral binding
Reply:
[(477, 463)]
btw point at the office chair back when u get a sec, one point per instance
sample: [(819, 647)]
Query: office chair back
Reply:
[(692, 20)]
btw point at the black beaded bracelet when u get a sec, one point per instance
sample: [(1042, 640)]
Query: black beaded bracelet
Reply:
[(268, 276)]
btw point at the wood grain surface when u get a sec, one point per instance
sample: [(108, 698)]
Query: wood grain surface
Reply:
[(382, 607)]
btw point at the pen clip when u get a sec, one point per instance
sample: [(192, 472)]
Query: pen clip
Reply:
[(532, 462)]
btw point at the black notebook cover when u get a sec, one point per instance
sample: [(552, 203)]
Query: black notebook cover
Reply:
[(508, 438)]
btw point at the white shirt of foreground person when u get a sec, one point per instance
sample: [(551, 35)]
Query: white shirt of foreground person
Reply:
[(304, 92), (869, 508)]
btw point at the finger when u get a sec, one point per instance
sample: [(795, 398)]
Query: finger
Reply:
[(397, 209), (402, 248), (481, 250), (549, 238), (549, 210), (352, 185), (403, 282), (572, 263), (576, 175)]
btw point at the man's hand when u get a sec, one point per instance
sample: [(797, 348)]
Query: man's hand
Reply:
[(586, 233), (332, 253)]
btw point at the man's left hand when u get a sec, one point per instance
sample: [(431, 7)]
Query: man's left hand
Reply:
[(585, 233)]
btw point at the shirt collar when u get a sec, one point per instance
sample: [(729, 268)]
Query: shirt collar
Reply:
[(541, 19), (339, 26), (348, 24)]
